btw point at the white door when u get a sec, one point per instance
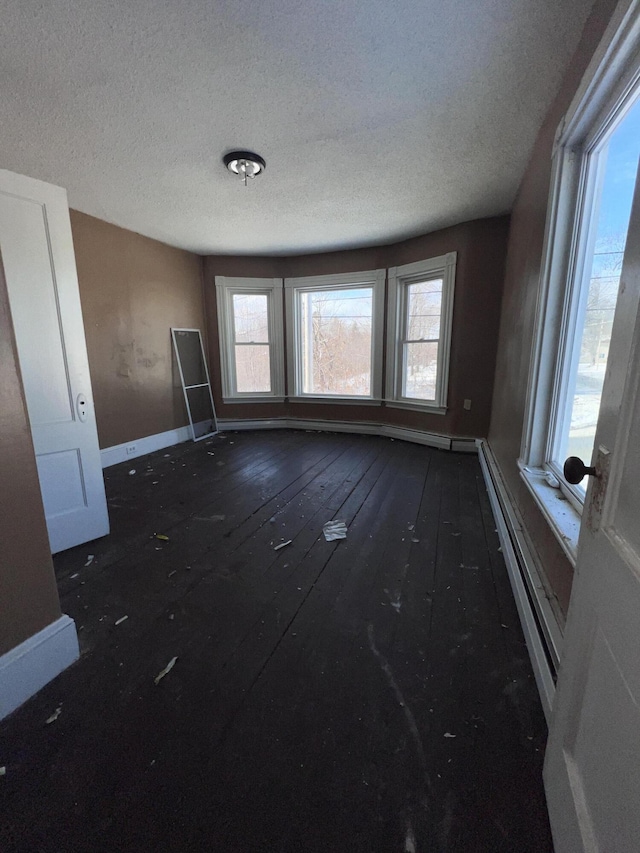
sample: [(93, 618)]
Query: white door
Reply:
[(592, 764), (39, 264)]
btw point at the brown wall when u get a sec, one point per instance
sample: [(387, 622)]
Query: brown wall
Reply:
[(518, 312), (481, 247), (133, 289), (28, 594)]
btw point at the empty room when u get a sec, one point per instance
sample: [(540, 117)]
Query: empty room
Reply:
[(320, 426)]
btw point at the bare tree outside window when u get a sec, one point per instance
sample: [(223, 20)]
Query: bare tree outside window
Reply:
[(251, 342), (336, 335)]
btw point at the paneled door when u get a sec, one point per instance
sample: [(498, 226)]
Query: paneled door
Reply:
[(39, 264), (592, 764)]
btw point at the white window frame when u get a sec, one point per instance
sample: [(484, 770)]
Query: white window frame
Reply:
[(441, 267), (374, 279), (226, 288), (610, 82)]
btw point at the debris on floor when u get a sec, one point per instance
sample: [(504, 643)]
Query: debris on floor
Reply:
[(161, 536), (3, 771), (283, 544), (90, 559), (132, 471), (54, 716), (171, 574), (121, 620), (334, 530), (164, 671), (448, 734), (76, 575)]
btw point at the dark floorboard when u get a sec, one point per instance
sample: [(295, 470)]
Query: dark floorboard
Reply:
[(370, 694)]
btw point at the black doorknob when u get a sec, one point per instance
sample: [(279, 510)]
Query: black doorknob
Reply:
[(575, 469)]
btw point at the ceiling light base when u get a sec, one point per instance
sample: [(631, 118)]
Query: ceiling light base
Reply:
[(245, 164)]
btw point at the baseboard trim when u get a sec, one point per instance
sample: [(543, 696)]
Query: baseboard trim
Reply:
[(430, 439), (542, 630), (141, 446), (28, 667), (465, 445)]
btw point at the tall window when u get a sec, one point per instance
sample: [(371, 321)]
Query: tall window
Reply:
[(419, 332), (251, 343), (335, 335), (594, 177), (602, 226)]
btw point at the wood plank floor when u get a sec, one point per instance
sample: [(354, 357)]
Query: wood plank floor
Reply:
[(370, 694)]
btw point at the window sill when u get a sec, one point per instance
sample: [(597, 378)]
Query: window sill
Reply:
[(340, 401), (563, 519), (426, 408), (256, 399)]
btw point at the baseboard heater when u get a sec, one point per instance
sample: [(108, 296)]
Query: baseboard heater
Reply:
[(540, 625), (416, 436)]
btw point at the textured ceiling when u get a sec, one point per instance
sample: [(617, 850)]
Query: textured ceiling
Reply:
[(378, 120)]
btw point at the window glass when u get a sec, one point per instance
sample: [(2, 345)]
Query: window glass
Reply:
[(335, 341), (251, 318), (423, 307), (253, 368), (610, 216), (420, 370), (251, 346), (424, 304)]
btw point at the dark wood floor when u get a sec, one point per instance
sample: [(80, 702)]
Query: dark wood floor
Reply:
[(370, 694)]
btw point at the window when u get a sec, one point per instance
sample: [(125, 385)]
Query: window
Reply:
[(335, 336), (602, 230), (251, 340), (419, 332), (595, 166)]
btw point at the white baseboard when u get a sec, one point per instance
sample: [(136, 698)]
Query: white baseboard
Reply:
[(540, 624), (28, 667), (417, 436), (465, 445), (141, 446)]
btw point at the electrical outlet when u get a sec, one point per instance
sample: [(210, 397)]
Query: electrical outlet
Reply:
[(466, 405), (131, 449)]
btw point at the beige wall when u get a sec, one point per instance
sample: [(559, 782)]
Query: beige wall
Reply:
[(481, 247), (518, 312), (133, 289), (28, 594)]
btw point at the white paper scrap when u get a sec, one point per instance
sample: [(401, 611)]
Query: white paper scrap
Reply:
[(334, 530)]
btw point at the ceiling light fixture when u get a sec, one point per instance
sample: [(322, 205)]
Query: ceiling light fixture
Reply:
[(246, 164)]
